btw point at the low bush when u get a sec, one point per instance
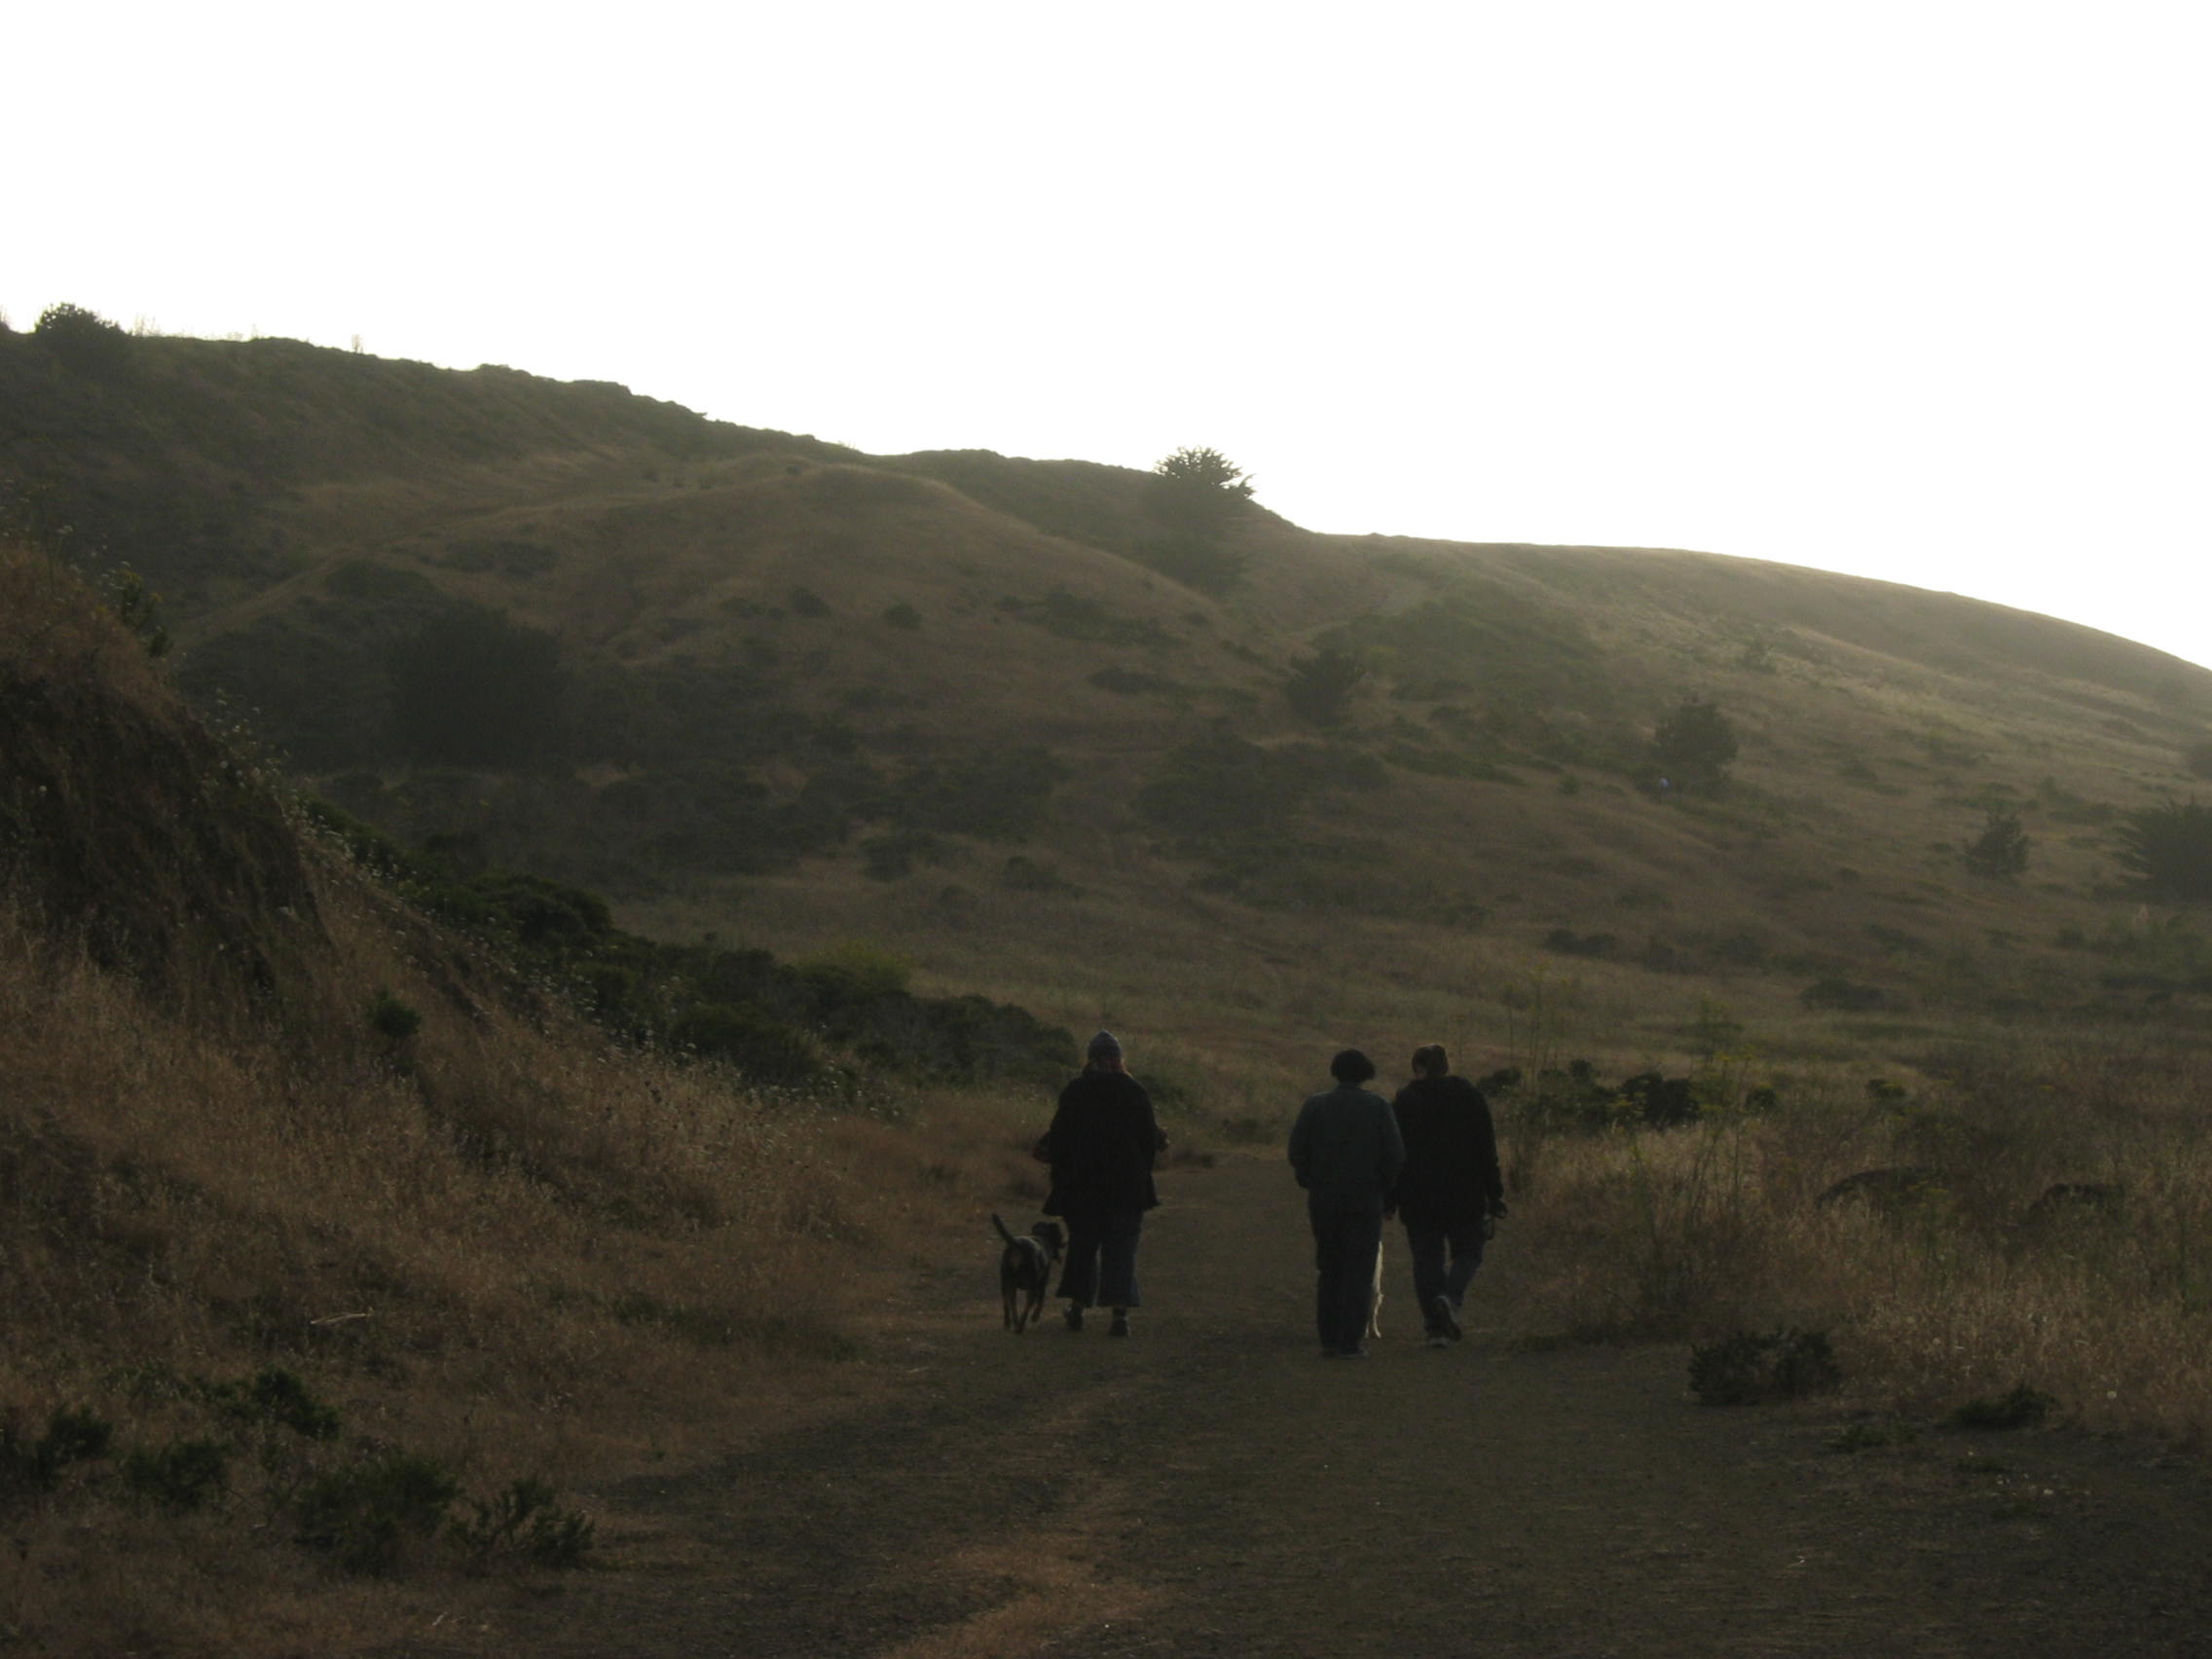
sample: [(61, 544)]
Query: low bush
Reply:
[(2022, 1408), (181, 1476), (523, 1519), (1746, 1367), (368, 1513)]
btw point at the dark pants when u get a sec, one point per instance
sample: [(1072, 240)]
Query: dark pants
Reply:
[(1101, 1269), (1428, 1241), (1347, 1231)]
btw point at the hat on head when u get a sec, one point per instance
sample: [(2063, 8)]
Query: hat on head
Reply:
[(1104, 1046)]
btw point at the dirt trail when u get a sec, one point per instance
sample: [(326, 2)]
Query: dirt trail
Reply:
[(1213, 1486)]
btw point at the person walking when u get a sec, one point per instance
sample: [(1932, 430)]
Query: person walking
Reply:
[(1101, 1147), (1450, 1188), (1347, 1151)]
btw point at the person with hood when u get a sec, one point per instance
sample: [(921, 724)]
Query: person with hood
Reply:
[(1101, 1147), (1450, 1188), (1347, 1153)]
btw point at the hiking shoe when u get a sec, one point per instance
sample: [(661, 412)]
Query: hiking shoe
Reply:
[(1447, 1321), (1354, 1353), (1437, 1338), (1120, 1327), (1073, 1317)]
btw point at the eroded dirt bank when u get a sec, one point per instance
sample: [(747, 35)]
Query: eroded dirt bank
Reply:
[(1212, 1487)]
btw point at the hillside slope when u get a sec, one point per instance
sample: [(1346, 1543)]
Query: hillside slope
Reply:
[(956, 702)]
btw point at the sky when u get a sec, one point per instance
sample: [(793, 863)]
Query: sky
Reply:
[(1917, 292)]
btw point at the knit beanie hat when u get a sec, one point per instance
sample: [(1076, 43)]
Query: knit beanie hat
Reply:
[(1105, 1046)]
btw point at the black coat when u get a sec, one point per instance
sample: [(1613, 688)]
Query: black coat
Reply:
[(1102, 1142), (1450, 1173)]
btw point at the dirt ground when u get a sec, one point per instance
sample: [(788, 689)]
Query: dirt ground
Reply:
[(1212, 1485)]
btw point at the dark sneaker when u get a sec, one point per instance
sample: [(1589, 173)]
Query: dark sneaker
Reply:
[(1447, 1321), (1356, 1353), (1437, 1338), (1120, 1327), (1073, 1317)]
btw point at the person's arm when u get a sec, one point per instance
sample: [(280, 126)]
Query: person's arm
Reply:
[(1393, 1148), (1486, 1156), (1301, 1143)]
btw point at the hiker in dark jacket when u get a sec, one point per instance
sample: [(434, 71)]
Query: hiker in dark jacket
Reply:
[(1101, 1145), (1347, 1151), (1449, 1189)]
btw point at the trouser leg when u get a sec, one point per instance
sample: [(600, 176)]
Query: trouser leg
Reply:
[(1117, 1285), (1466, 1241), (1079, 1273), (1346, 1234), (1424, 1244)]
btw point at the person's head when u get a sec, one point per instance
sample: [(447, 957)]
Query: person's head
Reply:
[(1351, 1068), (1103, 1052), (1432, 1060)]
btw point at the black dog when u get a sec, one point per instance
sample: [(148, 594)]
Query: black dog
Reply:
[(1025, 1271)]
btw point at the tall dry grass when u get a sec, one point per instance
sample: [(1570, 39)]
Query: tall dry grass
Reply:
[(1965, 1286)]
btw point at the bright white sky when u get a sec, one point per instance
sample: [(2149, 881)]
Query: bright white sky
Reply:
[(1915, 290)]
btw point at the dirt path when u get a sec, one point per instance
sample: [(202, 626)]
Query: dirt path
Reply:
[(1212, 1487)]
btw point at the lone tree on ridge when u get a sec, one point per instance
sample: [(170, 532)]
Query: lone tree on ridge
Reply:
[(1199, 490)]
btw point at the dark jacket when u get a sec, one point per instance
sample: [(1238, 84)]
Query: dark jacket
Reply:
[(1450, 1173), (1345, 1143), (1101, 1144)]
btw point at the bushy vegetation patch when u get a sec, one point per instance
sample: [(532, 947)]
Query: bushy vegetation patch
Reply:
[(2021, 1407), (780, 1023), (1747, 1367)]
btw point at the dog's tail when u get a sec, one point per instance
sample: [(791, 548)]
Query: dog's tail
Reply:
[(1001, 1226)]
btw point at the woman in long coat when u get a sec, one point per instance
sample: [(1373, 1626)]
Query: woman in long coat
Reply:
[(1101, 1147)]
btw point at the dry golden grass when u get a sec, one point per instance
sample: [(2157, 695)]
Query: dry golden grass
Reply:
[(1963, 1289)]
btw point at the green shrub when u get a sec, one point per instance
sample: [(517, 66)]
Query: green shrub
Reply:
[(755, 1042), (1320, 688), (82, 339), (392, 1020), (855, 971), (2169, 848), (902, 615), (367, 1513), (522, 1518), (2000, 850), (1694, 746), (277, 1396), (1747, 1367), (72, 1435), (181, 1476), (2024, 1407)]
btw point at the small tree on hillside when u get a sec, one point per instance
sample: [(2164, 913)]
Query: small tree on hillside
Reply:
[(1201, 491), (1694, 746), (2171, 848), (1320, 689), (2000, 850), (82, 339)]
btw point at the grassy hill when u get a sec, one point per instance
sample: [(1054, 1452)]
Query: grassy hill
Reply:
[(324, 1107), (954, 702)]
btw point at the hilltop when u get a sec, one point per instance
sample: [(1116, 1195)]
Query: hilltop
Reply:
[(976, 708)]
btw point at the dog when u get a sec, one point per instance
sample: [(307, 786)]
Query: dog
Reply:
[(1025, 1271)]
